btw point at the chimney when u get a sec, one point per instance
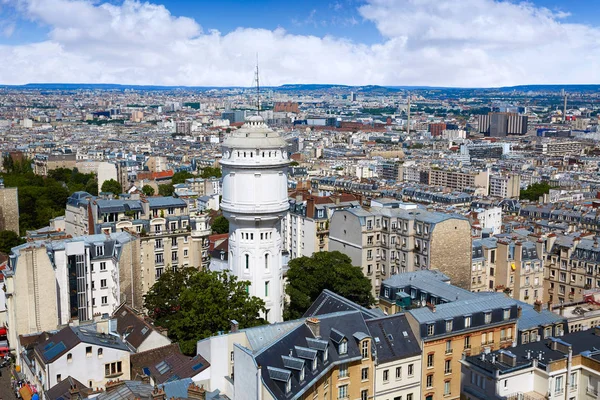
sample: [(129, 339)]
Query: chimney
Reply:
[(310, 207), (74, 391), (431, 306), (196, 392), (145, 379), (561, 310), (234, 326), (537, 306), (519, 312), (314, 325), (158, 394), (112, 385)]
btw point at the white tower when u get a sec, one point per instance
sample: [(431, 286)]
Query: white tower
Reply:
[(254, 201)]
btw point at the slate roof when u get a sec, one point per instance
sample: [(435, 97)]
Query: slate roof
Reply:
[(165, 202), (167, 364), (330, 302), (131, 326), (274, 357), (61, 391), (393, 338), (530, 318), (430, 281), (128, 390)]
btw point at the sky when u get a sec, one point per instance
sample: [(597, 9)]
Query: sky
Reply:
[(450, 43)]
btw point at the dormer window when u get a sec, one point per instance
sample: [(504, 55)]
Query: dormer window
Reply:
[(288, 386), (314, 364), (325, 355), (100, 250), (343, 347), (488, 317), (302, 375), (449, 325)]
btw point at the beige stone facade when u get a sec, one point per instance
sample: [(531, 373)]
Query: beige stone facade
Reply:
[(9, 209)]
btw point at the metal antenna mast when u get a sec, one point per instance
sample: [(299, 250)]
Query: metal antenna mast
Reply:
[(257, 86)]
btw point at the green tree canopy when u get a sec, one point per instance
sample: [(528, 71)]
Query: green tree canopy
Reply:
[(180, 177), (195, 304), (535, 191), (209, 172), (309, 276), (220, 225), (166, 190), (148, 190), (8, 240), (112, 186), (294, 164)]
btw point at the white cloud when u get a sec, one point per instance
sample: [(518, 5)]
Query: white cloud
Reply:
[(425, 42)]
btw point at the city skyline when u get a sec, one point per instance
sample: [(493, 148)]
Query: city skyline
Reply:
[(475, 43)]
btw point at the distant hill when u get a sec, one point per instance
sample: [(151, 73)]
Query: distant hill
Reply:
[(368, 89)]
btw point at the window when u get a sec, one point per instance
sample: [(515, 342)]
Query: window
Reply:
[(365, 349), (288, 384), (364, 394), (100, 250), (88, 351), (430, 330), (266, 261), (69, 357), (343, 392), (103, 266), (386, 375), (398, 372), (267, 289), (158, 244), (185, 252), (247, 257), (430, 360), (343, 370), (448, 367), (467, 342), (343, 349), (104, 300), (364, 374), (409, 396), (103, 284), (467, 322), (58, 378), (100, 352), (547, 332), (507, 314), (449, 326), (411, 369), (429, 381), (488, 317), (448, 346), (113, 368), (171, 210), (159, 258), (573, 380), (558, 384), (446, 388), (158, 272)]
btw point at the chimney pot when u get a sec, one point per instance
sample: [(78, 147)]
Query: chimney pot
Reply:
[(234, 326)]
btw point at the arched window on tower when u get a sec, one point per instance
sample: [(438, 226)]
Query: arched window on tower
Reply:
[(267, 261), (247, 256)]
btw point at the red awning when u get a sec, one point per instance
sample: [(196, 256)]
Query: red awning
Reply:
[(2, 331)]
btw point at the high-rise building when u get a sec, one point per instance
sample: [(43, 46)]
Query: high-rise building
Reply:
[(254, 201), (499, 124)]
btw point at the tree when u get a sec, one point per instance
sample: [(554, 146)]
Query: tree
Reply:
[(309, 276), (195, 304), (180, 177), (209, 172), (8, 240), (294, 164), (148, 190), (112, 186), (220, 225), (166, 190), (535, 191)]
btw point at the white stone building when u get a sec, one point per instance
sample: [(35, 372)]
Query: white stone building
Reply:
[(254, 201)]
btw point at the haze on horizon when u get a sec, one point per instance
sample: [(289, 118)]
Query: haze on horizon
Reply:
[(445, 43)]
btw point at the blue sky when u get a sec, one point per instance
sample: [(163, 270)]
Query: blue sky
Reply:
[(394, 42)]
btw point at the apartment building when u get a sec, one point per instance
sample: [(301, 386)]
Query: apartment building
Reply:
[(459, 180), (401, 237), (571, 267), (555, 368), (305, 229), (81, 353), (505, 186), (448, 331), (49, 284), (520, 269), (559, 148), (170, 237), (483, 267)]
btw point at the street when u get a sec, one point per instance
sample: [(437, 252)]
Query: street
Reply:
[(6, 392)]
